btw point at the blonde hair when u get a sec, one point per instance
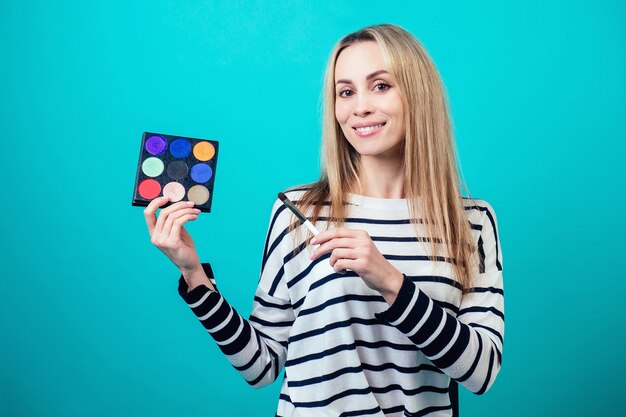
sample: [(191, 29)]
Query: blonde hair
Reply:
[(429, 150)]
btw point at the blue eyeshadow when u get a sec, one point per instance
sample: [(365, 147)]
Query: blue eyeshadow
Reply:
[(180, 148), (201, 173)]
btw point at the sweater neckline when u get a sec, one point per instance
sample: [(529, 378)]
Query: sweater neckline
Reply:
[(376, 202)]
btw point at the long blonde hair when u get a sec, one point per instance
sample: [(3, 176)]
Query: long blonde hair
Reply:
[(429, 151)]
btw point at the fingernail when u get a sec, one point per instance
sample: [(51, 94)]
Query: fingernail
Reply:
[(313, 241), (196, 210)]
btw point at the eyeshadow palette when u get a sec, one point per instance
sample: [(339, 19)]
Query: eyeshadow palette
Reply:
[(178, 167)]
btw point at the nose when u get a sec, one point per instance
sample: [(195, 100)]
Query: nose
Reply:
[(363, 105)]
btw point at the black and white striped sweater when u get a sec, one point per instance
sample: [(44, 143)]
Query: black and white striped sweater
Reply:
[(346, 352)]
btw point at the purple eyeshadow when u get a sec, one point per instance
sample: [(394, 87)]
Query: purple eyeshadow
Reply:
[(201, 173), (156, 145), (180, 148)]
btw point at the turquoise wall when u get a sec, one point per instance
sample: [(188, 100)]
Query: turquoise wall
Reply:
[(90, 320)]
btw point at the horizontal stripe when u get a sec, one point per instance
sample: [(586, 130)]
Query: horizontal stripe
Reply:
[(307, 271), (361, 368), (238, 344), (361, 412), (220, 306), (323, 281), (251, 362), (402, 239), (361, 391), (480, 309), (351, 346), (363, 220), (484, 290), (448, 334), (332, 326), (453, 354), (428, 410), (330, 400), (269, 304), (200, 301), (268, 323), (340, 300), (495, 332), (435, 278), (261, 375), (266, 336)]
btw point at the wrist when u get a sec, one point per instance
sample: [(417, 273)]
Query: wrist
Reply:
[(191, 269), (392, 289), (195, 276)]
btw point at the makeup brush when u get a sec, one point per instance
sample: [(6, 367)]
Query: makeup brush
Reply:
[(303, 219), (299, 215)]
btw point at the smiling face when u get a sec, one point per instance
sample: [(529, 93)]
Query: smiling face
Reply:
[(368, 106)]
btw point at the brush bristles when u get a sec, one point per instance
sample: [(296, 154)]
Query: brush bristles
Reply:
[(291, 207)]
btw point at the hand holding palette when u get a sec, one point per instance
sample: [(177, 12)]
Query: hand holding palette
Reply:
[(180, 168)]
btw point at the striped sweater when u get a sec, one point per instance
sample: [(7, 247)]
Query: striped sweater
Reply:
[(345, 351)]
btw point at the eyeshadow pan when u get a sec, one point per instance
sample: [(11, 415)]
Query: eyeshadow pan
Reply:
[(180, 148), (152, 167), (201, 172), (203, 151), (177, 170), (181, 168), (155, 145), (149, 189), (198, 194), (174, 190)]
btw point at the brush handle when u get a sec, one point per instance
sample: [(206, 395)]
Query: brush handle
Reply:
[(311, 228), (315, 232)]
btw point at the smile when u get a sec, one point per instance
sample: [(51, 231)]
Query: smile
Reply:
[(368, 130)]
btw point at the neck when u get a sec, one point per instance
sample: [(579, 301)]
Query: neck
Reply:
[(380, 178)]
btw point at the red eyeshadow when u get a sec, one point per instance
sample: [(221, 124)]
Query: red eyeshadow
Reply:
[(149, 189)]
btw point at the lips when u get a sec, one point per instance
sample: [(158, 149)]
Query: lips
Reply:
[(368, 129)]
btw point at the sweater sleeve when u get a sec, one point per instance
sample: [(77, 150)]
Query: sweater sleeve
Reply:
[(257, 347), (468, 347)]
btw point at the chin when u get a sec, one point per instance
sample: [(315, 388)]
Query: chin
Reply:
[(370, 150)]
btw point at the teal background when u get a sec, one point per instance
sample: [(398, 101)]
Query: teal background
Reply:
[(90, 320)]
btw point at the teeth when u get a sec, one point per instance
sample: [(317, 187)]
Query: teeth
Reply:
[(368, 129)]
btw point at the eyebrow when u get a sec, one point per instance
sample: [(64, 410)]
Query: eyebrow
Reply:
[(369, 77)]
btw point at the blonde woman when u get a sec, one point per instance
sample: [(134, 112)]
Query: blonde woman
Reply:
[(400, 296)]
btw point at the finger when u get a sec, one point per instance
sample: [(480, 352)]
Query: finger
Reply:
[(150, 212), (180, 222), (332, 234), (158, 228), (171, 219), (333, 244), (343, 265), (342, 253)]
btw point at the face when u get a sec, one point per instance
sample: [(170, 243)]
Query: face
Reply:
[(368, 106)]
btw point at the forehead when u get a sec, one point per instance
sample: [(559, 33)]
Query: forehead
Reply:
[(358, 60)]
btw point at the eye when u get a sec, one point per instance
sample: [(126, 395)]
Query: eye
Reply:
[(381, 84), (345, 93)]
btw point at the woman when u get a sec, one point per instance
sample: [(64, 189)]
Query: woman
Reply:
[(377, 313)]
